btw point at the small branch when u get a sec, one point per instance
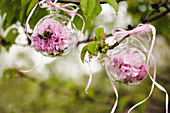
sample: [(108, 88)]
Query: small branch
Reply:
[(155, 7), (158, 16), (78, 2), (117, 43), (84, 41), (147, 20)]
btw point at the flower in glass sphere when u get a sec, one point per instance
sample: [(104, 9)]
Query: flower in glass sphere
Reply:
[(128, 67), (50, 37)]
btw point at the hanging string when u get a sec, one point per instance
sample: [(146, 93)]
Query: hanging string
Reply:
[(72, 12), (53, 6), (27, 21), (26, 71), (113, 86), (90, 78), (153, 82), (119, 34)]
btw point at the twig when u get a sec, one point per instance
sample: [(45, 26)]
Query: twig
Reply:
[(117, 43), (158, 16), (78, 2), (155, 7), (144, 21)]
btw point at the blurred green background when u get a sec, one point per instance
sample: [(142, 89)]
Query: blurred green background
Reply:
[(57, 85)]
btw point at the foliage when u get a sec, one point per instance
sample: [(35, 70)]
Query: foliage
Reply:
[(9, 40), (143, 7), (99, 32), (63, 96), (93, 47), (18, 10), (29, 93), (114, 4)]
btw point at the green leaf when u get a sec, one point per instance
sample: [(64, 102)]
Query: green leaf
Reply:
[(99, 32), (78, 22), (83, 52), (90, 8), (38, 14), (83, 4), (97, 10), (92, 47), (23, 11), (10, 38), (10, 16), (14, 10), (114, 4), (12, 34), (24, 2), (90, 54), (9, 74), (11, 9), (3, 6), (87, 7), (31, 5), (98, 1)]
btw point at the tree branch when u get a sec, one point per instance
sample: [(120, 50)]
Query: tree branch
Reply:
[(156, 7), (158, 16), (117, 43), (130, 27), (77, 2), (145, 21)]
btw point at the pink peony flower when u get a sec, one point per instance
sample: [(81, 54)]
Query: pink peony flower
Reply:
[(128, 67), (51, 37)]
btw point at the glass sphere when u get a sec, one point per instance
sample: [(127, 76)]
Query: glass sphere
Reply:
[(54, 35), (127, 64)]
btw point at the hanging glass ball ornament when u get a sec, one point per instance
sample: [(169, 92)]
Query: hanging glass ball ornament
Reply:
[(127, 64), (54, 35)]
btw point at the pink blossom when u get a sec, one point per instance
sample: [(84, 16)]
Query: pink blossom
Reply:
[(128, 67), (51, 37)]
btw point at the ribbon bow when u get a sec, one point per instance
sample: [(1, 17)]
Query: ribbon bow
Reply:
[(53, 6), (119, 34), (141, 28), (68, 8)]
